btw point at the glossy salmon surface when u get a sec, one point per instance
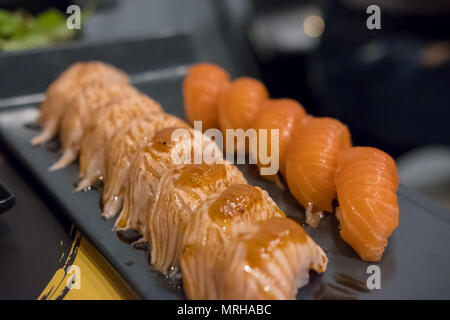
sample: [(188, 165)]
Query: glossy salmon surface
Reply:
[(283, 115), (311, 164), (366, 181), (201, 90), (240, 103)]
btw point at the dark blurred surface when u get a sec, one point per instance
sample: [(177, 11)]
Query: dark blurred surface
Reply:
[(386, 84), (34, 6), (390, 86), (32, 240)]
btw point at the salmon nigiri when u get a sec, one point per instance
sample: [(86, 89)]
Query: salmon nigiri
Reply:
[(102, 127), (76, 119), (180, 191), (282, 115), (65, 87), (166, 149), (366, 181), (239, 104), (221, 218), (270, 261), (201, 89), (121, 151), (311, 164)]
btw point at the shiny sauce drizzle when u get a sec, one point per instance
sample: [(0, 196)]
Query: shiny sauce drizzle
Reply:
[(234, 201), (200, 175), (271, 235), (163, 143)]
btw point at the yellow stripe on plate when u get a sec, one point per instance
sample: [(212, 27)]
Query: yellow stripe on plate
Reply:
[(86, 275)]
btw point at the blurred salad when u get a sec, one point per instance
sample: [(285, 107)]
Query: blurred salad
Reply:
[(19, 30)]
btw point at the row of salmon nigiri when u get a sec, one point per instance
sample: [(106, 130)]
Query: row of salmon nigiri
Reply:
[(316, 156), (192, 217)]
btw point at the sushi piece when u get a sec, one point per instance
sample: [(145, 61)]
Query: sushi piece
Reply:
[(201, 89), (121, 151), (270, 261), (180, 192), (65, 87), (240, 103), (366, 181), (283, 115), (220, 219), (102, 127), (152, 162), (75, 121), (311, 164), (238, 106)]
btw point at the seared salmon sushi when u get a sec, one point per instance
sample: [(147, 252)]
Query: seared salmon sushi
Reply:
[(76, 119), (220, 219), (121, 151), (201, 89), (270, 261), (366, 181), (180, 192), (239, 104), (65, 87), (311, 164), (102, 127), (283, 115), (169, 147)]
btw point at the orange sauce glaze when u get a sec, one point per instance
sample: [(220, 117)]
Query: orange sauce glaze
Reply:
[(234, 201), (201, 175), (273, 234)]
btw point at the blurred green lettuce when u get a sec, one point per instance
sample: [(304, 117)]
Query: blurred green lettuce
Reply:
[(20, 31)]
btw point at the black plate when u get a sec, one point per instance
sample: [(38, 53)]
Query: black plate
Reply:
[(415, 265), (7, 198)]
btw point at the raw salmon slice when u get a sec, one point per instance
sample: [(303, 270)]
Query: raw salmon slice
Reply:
[(277, 114), (311, 164), (201, 89), (239, 104), (366, 181)]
